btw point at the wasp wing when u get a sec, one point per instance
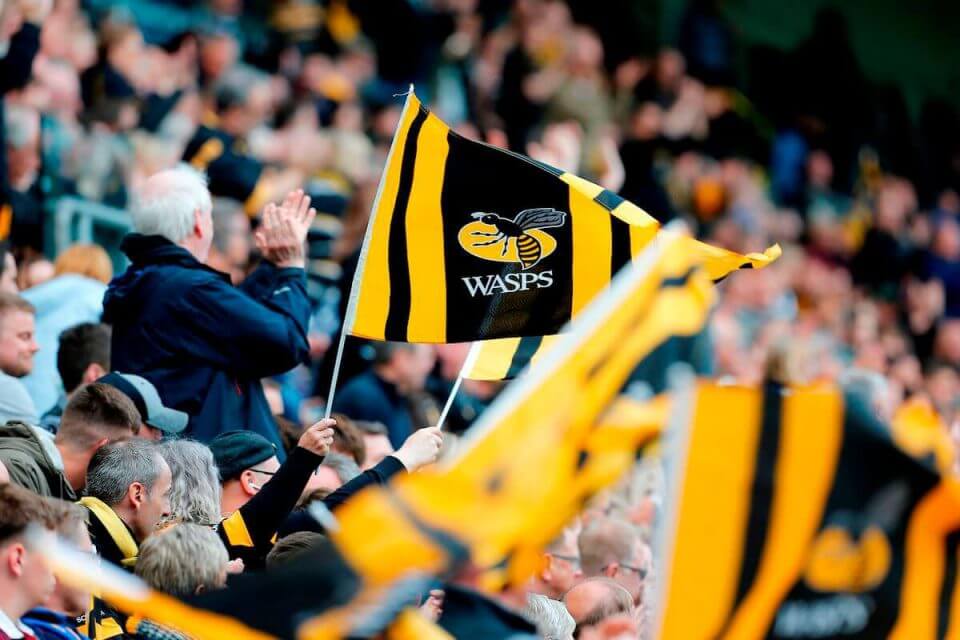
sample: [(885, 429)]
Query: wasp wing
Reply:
[(543, 218)]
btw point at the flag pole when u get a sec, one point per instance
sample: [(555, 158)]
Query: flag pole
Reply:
[(465, 369), (358, 274)]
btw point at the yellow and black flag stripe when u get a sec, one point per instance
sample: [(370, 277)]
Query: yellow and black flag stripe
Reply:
[(797, 516), (471, 242)]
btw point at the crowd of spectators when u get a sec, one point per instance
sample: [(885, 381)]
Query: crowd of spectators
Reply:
[(288, 108)]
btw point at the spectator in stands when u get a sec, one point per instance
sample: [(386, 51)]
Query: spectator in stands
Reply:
[(560, 569), (82, 357), (336, 470), (22, 125), (204, 344), (241, 102), (56, 619), (8, 268), (73, 296), (595, 600), (376, 442), (551, 617), (195, 493), (97, 414), (127, 495), (258, 492), (25, 580), (17, 348), (230, 250), (348, 440), (386, 392), (157, 421), (291, 547), (183, 560), (612, 548)]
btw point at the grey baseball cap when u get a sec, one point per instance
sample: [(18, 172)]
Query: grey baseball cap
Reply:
[(145, 397)]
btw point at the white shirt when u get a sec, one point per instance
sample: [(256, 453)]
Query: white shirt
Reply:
[(13, 629)]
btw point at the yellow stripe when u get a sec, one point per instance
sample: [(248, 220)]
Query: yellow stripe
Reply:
[(953, 626), (236, 530), (810, 438), (428, 283), (636, 217), (933, 518), (719, 468), (6, 221), (114, 525), (373, 302), (207, 153), (493, 360), (592, 244), (641, 235)]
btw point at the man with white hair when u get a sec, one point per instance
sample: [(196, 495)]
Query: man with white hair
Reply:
[(183, 326)]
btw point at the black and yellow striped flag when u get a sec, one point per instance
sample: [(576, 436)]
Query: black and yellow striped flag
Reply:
[(797, 516), (470, 242)]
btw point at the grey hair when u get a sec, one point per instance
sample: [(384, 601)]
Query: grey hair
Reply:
[(165, 205), (181, 559), (551, 618), (116, 466), (345, 466), (195, 492), (20, 125)]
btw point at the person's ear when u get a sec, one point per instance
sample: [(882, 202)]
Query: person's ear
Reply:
[(137, 494), (247, 484), (200, 589), (96, 445), (198, 222), (93, 372), (15, 556), (611, 570)]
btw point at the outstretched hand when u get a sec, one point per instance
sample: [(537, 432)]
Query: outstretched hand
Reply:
[(420, 449), (283, 230), (318, 437)]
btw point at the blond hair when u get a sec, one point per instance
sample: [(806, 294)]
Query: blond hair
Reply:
[(86, 260)]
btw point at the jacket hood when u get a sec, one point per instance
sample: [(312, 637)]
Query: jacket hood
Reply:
[(38, 445), (144, 251)]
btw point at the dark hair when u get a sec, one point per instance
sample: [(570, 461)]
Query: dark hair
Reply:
[(20, 508), (348, 439), (81, 346), (293, 546), (97, 411)]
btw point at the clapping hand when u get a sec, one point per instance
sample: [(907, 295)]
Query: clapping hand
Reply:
[(283, 230)]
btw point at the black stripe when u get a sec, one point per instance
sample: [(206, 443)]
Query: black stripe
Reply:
[(679, 281), (398, 317), (526, 349), (608, 200), (619, 244), (949, 583), (763, 486)]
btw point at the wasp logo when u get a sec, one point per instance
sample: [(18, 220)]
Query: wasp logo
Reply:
[(522, 239)]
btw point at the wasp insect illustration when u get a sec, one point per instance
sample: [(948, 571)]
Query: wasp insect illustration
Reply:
[(528, 247)]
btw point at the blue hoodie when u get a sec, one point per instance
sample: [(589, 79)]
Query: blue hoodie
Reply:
[(202, 342)]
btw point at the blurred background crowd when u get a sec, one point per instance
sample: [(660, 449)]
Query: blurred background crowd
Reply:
[(858, 179)]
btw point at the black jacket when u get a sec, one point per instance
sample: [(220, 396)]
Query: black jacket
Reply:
[(202, 342)]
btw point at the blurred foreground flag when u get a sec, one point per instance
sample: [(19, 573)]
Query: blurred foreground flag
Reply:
[(795, 515), (502, 505), (470, 242)]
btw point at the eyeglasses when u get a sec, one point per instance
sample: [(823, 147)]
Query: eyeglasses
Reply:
[(574, 560), (640, 571), (266, 473)]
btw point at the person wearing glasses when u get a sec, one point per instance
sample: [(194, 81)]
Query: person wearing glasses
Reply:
[(611, 547), (561, 567)]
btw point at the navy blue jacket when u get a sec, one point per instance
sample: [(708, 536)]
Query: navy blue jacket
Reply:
[(370, 398), (202, 342)]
